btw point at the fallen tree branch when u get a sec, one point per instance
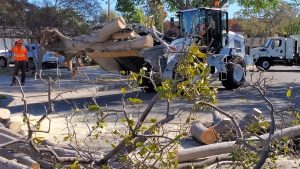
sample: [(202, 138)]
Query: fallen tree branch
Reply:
[(227, 147), (11, 164), (21, 158), (122, 144), (204, 163)]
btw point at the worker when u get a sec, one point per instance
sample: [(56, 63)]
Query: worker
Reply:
[(20, 54)]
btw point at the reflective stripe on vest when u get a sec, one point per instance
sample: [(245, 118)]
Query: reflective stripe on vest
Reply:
[(19, 53)]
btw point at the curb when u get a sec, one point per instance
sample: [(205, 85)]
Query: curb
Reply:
[(5, 102)]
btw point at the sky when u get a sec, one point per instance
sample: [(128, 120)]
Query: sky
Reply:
[(233, 8)]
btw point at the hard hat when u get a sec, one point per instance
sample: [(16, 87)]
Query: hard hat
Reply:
[(19, 41)]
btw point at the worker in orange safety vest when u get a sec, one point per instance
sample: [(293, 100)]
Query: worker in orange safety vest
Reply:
[(20, 55)]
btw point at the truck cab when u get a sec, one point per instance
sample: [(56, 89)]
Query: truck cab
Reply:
[(276, 50)]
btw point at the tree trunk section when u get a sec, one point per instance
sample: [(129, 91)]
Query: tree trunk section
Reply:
[(124, 35), (136, 44), (105, 32), (224, 126), (13, 126), (203, 134), (4, 115)]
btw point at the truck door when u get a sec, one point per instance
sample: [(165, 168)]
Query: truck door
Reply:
[(290, 48), (277, 48)]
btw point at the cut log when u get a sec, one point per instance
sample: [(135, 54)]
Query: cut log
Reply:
[(136, 44), (251, 118), (203, 134), (105, 32), (112, 54), (227, 147), (224, 126), (216, 117), (125, 35), (13, 126), (11, 164), (4, 115), (21, 158)]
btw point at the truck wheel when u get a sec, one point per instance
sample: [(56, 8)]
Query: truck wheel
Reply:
[(235, 71), (263, 63), (3, 62)]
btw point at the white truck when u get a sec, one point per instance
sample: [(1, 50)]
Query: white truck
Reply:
[(277, 50)]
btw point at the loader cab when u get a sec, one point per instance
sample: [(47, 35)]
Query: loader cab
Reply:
[(209, 23)]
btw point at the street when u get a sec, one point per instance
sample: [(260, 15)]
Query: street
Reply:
[(81, 91), (78, 93)]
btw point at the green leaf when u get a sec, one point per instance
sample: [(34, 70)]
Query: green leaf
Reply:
[(93, 107), (113, 145), (289, 92), (138, 144), (153, 120), (116, 131), (122, 72), (66, 138), (123, 90), (140, 81), (74, 165), (135, 101), (131, 122)]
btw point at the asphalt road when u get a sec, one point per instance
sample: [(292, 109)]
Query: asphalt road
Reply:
[(240, 102)]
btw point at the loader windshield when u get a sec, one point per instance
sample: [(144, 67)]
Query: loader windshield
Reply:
[(191, 21)]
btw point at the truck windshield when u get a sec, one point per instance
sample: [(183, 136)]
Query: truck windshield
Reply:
[(191, 21), (267, 44)]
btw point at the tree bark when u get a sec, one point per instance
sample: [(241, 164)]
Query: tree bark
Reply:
[(113, 54), (227, 147), (203, 134)]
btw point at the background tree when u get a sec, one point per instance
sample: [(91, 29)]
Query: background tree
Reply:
[(268, 22)]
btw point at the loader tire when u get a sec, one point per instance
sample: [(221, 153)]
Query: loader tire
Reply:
[(235, 71)]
